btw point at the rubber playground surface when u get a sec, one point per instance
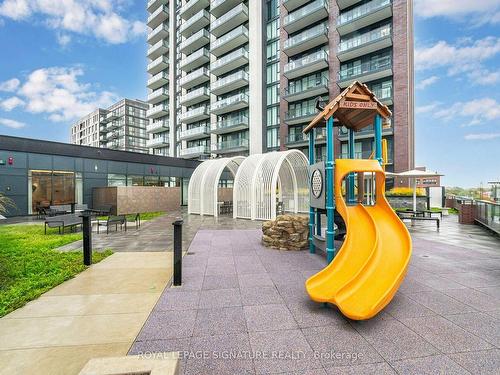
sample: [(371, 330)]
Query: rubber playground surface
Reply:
[(243, 309)]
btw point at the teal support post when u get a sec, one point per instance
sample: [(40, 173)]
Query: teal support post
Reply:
[(318, 223), (378, 138), (312, 249), (330, 192), (350, 178)]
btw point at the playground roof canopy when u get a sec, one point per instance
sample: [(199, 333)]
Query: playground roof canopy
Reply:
[(355, 108)]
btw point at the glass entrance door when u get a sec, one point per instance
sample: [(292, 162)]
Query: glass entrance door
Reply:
[(49, 188)]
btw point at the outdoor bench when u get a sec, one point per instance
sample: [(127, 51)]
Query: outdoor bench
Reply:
[(63, 221), (402, 216), (113, 219)]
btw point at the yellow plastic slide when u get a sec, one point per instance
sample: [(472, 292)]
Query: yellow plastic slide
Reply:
[(372, 262)]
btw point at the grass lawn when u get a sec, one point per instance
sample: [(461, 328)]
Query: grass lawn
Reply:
[(144, 216), (29, 266)]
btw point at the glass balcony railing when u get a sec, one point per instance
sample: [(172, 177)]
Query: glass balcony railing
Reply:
[(157, 93), (159, 14), (301, 137), (196, 150), (368, 67), (160, 45), (163, 28), (227, 102), (365, 38), (197, 131), (383, 93), (300, 112), (194, 19), (158, 77), (229, 15), (240, 52), (157, 142), (306, 35), (230, 144), (230, 122), (202, 91), (202, 52), (192, 76), (196, 112), (304, 11), (219, 42), (361, 11), (203, 33), (307, 60), (156, 110), (303, 85), (158, 61), (488, 214), (157, 126), (220, 83)]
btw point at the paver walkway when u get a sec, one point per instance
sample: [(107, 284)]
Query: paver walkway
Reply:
[(98, 313), (242, 300)]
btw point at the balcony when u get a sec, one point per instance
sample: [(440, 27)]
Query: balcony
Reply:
[(219, 7), (195, 60), (230, 124), (158, 96), (300, 115), (161, 141), (230, 83), (157, 127), (192, 7), (195, 78), (195, 23), (384, 94), (233, 103), (195, 133), (306, 65), (366, 132), (308, 39), (229, 62), (366, 72), (306, 88), (300, 139), (346, 3), (194, 115), (194, 97), (364, 44), (235, 17), (157, 111), (157, 65), (111, 116), (194, 152), (158, 80), (364, 15), (159, 16), (154, 4), (291, 5), (158, 49), (305, 16), (232, 145), (229, 41), (157, 34), (195, 41)]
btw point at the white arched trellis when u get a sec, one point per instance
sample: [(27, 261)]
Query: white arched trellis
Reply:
[(261, 177), (204, 183)]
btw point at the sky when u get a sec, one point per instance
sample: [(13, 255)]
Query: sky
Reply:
[(59, 60)]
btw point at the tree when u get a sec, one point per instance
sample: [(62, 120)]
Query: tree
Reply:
[(5, 203)]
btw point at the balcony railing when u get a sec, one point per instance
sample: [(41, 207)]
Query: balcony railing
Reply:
[(158, 16), (197, 132), (194, 78), (311, 59), (156, 95), (196, 22), (158, 126), (157, 49), (380, 63), (192, 6), (196, 59), (305, 36), (361, 11), (234, 122), (231, 144), (312, 12), (230, 82), (199, 38), (301, 112), (160, 32), (238, 35), (230, 103), (304, 85), (157, 111), (201, 94), (239, 54), (195, 151), (383, 93), (229, 20), (302, 138), (219, 7), (365, 38), (158, 80), (194, 114), (158, 63), (157, 142)]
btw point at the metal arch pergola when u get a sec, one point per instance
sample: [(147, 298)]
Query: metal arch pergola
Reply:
[(262, 178), (204, 183)]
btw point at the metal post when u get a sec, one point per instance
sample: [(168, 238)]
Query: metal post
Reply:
[(177, 251), (87, 238), (350, 178), (330, 192), (378, 138), (312, 135)]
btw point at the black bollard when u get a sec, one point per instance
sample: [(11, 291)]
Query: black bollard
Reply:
[(87, 238), (177, 252)]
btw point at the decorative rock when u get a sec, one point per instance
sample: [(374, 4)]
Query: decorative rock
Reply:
[(287, 232)]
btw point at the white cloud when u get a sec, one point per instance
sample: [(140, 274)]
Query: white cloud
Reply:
[(63, 39), (99, 18), (466, 57), (476, 111), (426, 82), (427, 108), (12, 123), (477, 12), (481, 136), (10, 85), (58, 93), (11, 103)]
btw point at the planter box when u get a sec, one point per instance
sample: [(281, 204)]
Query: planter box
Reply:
[(407, 202)]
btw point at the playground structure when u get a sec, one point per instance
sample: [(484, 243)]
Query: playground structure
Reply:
[(263, 185), (363, 276)]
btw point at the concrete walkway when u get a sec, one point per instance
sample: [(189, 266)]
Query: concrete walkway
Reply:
[(98, 313), (243, 309)]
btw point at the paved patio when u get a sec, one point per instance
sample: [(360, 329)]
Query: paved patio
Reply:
[(241, 299)]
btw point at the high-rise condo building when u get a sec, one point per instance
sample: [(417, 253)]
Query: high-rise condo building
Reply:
[(122, 126), (240, 77)]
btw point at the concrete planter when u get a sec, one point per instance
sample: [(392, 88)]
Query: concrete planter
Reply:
[(407, 202)]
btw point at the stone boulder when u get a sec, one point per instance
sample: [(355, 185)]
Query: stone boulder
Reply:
[(287, 232)]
